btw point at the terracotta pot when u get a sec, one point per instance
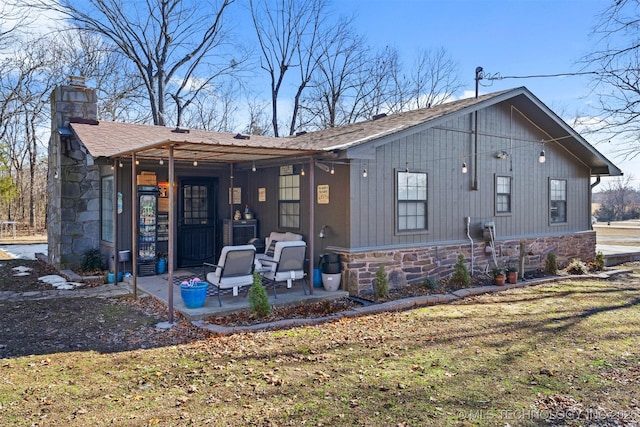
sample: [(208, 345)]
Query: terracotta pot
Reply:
[(512, 277), (499, 280)]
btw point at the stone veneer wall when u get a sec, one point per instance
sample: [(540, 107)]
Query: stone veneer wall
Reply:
[(73, 184), (406, 266)]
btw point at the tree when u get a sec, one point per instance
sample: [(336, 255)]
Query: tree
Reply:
[(618, 201), (171, 43), (616, 65), (288, 35)]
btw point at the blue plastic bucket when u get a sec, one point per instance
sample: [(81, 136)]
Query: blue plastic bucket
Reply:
[(317, 278)]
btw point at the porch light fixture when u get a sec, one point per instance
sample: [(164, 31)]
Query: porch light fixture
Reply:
[(464, 167), (541, 157), (253, 167), (161, 162)]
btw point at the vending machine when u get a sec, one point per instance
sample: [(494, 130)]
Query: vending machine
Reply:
[(147, 230)]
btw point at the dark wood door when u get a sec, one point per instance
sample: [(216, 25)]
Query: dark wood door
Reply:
[(196, 222)]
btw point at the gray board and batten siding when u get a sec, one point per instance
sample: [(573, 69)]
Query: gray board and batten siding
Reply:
[(439, 149)]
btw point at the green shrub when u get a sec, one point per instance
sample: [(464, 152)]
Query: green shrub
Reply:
[(577, 267), (461, 275), (258, 299), (91, 260), (431, 284), (551, 264), (382, 283), (598, 263)]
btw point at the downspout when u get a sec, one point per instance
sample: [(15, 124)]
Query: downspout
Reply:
[(468, 221)]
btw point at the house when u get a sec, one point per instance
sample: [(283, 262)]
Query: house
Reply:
[(481, 177)]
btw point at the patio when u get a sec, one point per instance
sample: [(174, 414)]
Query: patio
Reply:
[(157, 287)]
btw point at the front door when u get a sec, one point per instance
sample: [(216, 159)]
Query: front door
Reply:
[(196, 222)]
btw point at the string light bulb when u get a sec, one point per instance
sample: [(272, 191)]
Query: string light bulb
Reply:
[(541, 157), (137, 162), (332, 169), (253, 167), (364, 173), (302, 171), (161, 162), (195, 163), (120, 164), (464, 167), (406, 167)]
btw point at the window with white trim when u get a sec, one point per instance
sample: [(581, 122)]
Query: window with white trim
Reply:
[(411, 197), (289, 201), (106, 208), (558, 200), (503, 194)]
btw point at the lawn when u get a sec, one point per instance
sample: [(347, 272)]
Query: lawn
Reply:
[(565, 353)]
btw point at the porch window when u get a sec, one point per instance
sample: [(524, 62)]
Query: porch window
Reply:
[(195, 205), (289, 201), (558, 200), (106, 209), (412, 201), (503, 194)]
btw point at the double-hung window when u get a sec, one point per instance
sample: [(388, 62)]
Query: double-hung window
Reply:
[(289, 201), (412, 201), (503, 194), (558, 201), (106, 208)]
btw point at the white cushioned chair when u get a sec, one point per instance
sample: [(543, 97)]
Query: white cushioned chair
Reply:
[(234, 269), (286, 265), (272, 239)]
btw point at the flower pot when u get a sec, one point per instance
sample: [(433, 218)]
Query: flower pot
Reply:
[(331, 282), (512, 277), (499, 280), (194, 296)]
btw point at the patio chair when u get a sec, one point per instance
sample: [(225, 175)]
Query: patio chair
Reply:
[(287, 265), (233, 271)]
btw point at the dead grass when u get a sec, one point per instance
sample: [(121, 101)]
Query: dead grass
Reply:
[(564, 354)]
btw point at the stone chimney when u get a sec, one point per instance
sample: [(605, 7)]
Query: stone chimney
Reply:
[(73, 183)]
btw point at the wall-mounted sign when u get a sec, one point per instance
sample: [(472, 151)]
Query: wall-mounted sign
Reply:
[(323, 194), (286, 170), (262, 194), (237, 195)]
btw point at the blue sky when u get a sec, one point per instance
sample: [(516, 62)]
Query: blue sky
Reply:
[(511, 38)]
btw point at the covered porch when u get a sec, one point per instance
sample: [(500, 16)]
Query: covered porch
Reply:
[(156, 286)]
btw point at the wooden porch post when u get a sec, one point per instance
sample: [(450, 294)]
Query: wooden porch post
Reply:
[(134, 226), (312, 219), (115, 221)]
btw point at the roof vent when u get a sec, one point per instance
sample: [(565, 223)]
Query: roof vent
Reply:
[(179, 130), (82, 120), (304, 132), (241, 136), (379, 116)]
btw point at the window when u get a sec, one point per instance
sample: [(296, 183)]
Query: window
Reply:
[(195, 206), (503, 194), (558, 200), (412, 201), (106, 209), (289, 201)]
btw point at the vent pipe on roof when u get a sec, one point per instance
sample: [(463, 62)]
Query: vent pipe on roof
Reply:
[(379, 116), (77, 81)]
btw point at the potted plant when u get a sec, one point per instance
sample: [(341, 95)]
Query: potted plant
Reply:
[(193, 292), (498, 276), (512, 274)]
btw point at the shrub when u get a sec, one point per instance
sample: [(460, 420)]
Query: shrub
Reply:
[(431, 284), (551, 264), (598, 263), (382, 283), (461, 275), (258, 299), (577, 267), (91, 260)]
